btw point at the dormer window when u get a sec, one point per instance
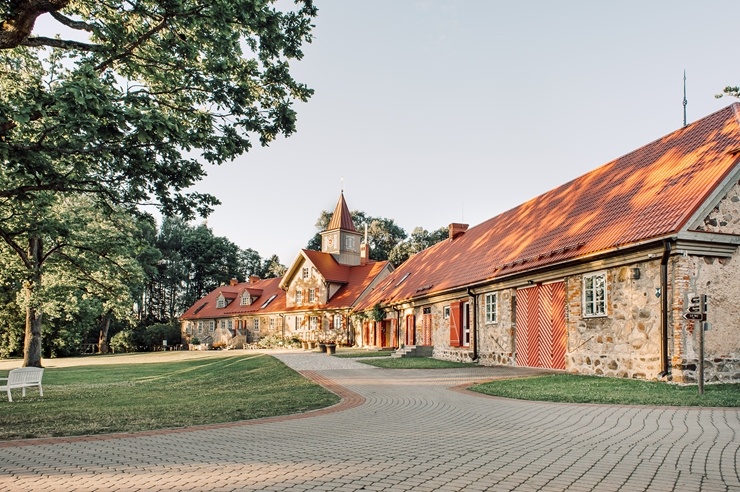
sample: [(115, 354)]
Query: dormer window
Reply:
[(246, 299), (220, 301)]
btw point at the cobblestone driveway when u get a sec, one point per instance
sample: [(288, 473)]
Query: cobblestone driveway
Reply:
[(403, 430)]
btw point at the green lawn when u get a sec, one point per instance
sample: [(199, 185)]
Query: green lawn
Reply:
[(101, 399), (592, 389), (349, 353), (415, 363)]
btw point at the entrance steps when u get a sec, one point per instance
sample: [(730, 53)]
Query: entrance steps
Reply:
[(413, 351)]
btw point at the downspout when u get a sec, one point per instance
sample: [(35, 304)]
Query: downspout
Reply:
[(664, 309), (398, 326), (475, 323)]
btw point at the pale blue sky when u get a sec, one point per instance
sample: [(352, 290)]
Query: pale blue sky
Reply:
[(455, 111)]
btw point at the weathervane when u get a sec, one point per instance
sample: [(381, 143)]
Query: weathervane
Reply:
[(685, 102)]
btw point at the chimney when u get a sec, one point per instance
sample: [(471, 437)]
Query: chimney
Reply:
[(253, 279), (457, 229), (233, 282), (364, 250)]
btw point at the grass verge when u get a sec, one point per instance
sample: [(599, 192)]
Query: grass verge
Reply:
[(570, 388), (354, 353), (415, 363), (102, 399)]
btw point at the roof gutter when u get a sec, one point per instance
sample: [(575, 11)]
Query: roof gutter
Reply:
[(664, 309)]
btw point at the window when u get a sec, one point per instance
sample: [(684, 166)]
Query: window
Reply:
[(230, 325), (246, 299), (337, 322), (445, 312), (223, 323), (311, 295), (256, 324), (313, 322), (491, 301), (221, 301), (272, 324), (299, 296), (200, 327), (349, 243), (264, 305), (212, 325), (305, 273), (594, 294)]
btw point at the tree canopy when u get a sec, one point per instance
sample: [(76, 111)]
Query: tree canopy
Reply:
[(123, 103)]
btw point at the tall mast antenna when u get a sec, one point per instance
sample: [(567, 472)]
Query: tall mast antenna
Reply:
[(685, 102)]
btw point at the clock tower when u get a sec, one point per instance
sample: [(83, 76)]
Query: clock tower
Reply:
[(340, 238)]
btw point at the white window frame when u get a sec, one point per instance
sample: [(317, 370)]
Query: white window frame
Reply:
[(299, 297), (311, 295), (272, 324), (594, 295), (337, 322), (220, 301), (256, 324), (305, 273), (313, 323), (229, 325), (491, 303), (246, 299)]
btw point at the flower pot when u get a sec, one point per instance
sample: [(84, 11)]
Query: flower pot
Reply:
[(322, 347), (304, 345), (331, 348)]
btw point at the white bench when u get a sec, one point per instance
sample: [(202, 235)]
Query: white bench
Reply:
[(23, 377)]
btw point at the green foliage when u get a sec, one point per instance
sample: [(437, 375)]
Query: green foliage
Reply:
[(729, 91), (377, 313), (187, 389), (151, 337), (275, 341), (128, 112), (593, 389), (124, 341)]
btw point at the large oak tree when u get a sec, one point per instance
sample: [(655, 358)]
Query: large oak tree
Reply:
[(126, 103)]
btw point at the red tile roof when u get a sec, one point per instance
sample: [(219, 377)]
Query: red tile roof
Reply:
[(328, 267), (647, 194), (341, 218), (206, 308)]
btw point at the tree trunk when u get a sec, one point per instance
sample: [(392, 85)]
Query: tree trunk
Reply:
[(103, 337), (32, 341)]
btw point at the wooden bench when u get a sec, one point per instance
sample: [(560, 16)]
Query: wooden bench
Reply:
[(23, 377)]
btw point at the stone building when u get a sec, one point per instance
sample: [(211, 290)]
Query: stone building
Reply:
[(594, 276), (313, 301)]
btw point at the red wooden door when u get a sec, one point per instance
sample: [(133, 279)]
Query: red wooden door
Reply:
[(540, 326), (427, 327), (410, 330)]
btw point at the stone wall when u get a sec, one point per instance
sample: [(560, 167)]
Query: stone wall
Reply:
[(719, 279), (496, 345), (626, 342)]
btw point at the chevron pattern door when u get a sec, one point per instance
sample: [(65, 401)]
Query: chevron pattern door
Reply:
[(540, 332)]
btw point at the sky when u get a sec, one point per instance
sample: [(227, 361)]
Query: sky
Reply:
[(441, 111)]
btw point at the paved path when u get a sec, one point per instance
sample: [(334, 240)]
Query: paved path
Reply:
[(404, 430)]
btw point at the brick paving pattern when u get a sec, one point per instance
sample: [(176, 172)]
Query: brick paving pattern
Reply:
[(402, 430)]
